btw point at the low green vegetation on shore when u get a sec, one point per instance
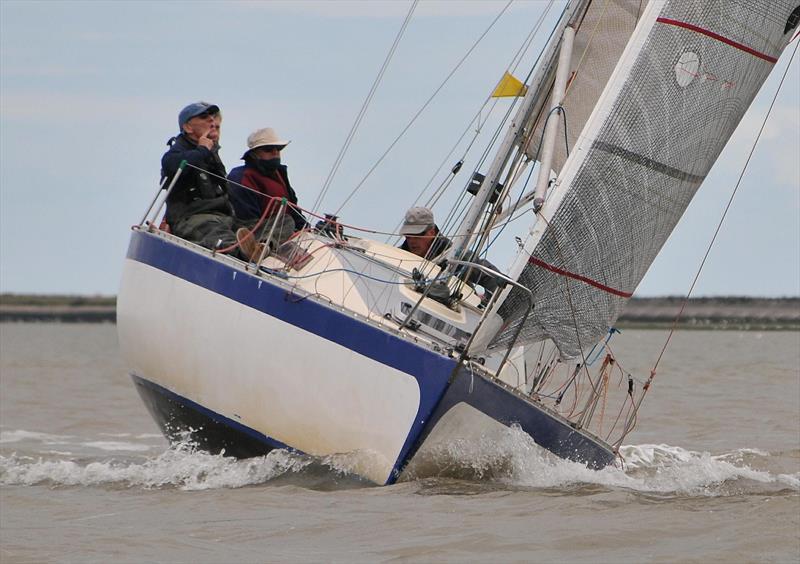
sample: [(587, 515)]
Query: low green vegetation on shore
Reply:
[(9, 299), (56, 300), (740, 313)]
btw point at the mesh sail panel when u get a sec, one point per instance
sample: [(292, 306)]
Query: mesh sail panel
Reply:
[(689, 73), (600, 38)]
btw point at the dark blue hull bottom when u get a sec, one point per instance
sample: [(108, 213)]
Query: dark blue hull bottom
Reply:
[(508, 408), (183, 420)]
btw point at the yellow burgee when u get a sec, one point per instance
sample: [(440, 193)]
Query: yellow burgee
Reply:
[(509, 86)]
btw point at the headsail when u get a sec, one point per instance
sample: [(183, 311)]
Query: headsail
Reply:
[(680, 88)]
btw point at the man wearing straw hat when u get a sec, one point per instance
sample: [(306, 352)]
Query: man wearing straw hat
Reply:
[(258, 187), (198, 208)]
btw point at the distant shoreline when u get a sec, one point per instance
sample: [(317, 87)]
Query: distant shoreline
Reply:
[(731, 313)]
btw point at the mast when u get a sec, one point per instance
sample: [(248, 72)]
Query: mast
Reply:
[(517, 134), (649, 140), (559, 87)]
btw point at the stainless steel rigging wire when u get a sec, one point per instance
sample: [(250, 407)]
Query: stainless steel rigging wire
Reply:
[(351, 135), (422, 109)]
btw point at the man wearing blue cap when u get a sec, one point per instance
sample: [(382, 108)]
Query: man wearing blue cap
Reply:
[(198, 208)]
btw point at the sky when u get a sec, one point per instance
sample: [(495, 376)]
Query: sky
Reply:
[(90, 92)]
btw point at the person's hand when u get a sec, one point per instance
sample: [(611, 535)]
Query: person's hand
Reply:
[(204, 141)]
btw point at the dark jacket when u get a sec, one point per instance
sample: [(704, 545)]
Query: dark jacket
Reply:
[(195, 192), (249, 205)]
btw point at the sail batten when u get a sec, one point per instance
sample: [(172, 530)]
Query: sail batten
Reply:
[(679, 89)]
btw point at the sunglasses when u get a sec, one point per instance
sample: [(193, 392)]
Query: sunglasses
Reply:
[(271, 148)]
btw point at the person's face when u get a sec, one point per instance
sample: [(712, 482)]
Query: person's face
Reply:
[(419, 244), (198, 126), (216, 128), (268, 152)]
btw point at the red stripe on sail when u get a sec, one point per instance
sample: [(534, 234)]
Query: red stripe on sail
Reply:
[(718, 37), (551, 268)]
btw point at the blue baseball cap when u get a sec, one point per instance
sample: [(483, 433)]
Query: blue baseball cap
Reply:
[(194, 110)]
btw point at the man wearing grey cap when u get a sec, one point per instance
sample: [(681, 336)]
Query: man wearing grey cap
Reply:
[(424, 239), (422, 235), (198, 208)]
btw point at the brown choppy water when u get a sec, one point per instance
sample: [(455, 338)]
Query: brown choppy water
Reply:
[(712, 473)]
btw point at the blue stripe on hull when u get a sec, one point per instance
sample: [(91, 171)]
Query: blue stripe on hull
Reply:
[(431, 370)]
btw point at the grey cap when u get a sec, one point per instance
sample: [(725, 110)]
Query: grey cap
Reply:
[(417, 220)]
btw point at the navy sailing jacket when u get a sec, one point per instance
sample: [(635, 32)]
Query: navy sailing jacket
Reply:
[(196, 191)]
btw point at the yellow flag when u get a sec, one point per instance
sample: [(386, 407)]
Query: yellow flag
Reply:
[(509, 86)]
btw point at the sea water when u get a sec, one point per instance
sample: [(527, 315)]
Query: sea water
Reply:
[(710, 474)]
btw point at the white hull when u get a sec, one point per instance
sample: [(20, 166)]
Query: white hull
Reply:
[(225, 353), (291, 385)]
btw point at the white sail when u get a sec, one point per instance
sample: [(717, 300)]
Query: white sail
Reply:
[(680, 88)]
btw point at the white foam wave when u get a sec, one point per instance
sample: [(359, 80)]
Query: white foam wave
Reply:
[(510, 458), (117, 446), (513, 458), (177, 467), (667, 468), (791, 480)]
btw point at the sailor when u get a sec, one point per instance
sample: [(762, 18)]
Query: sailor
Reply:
[(258, 186), (424, 239), (198, 208), (422, 234)]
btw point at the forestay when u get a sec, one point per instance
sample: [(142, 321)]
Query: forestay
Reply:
[(680, 88)]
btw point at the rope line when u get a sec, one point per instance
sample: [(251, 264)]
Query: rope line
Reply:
[(351, 135), (422, 109)]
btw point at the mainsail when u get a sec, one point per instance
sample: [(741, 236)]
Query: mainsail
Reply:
[(682, 84), (602, 32)]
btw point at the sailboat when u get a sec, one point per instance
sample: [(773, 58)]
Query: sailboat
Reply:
[(376, 352)]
